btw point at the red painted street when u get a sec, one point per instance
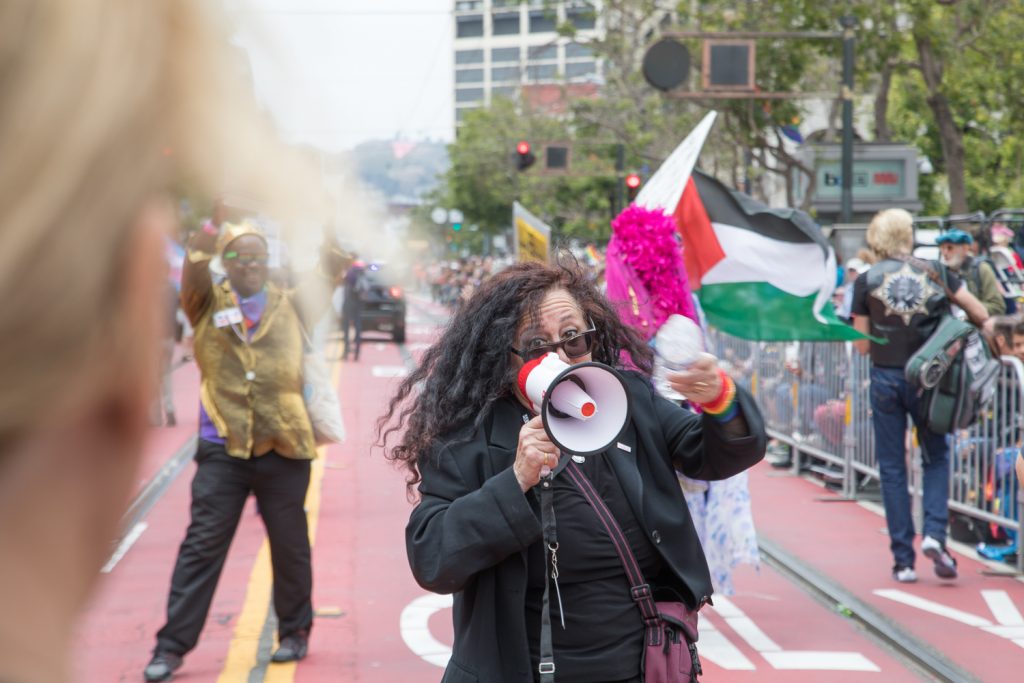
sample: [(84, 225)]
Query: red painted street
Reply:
[(375, 624)]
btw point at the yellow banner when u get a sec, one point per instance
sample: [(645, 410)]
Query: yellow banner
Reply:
[(532, 238)]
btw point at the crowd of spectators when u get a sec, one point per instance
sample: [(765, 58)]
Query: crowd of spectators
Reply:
[(453, 280)]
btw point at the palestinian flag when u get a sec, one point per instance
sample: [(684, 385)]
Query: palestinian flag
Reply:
[(759, 273)]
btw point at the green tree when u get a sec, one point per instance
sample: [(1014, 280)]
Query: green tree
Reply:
[(482, 180)]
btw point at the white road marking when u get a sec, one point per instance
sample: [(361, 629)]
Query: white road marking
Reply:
[(122, 548), (415, 627), (933, 607), (1002, 608), (803, 660), (1011, 624), (390, 371), (819, 660), (714, 647)]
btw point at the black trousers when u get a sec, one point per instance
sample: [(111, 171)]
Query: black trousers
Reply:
[(351, 317), (221, 485)]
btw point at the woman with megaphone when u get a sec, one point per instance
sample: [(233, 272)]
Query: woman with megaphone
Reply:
[(544, 464)]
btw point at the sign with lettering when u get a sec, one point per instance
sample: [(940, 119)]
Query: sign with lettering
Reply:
[(871, 179), (532, 235), (884, 176)]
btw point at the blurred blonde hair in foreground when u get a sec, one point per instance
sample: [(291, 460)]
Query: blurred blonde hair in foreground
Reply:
[(103, 105)]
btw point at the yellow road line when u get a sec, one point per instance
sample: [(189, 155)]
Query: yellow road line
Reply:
[(285, 673), (242, 653)]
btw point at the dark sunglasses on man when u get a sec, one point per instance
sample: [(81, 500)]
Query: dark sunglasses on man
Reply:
[(575, 346)]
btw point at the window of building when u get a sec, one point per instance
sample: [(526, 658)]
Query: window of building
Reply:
[(469, 94), (469, 27), (542, 72), (505, 24), (582, 18), (469, 75), (505, 54), (579, 69), (506, 91), (540, 53), (469, 56), (576, 50), (505, 73), (542, 22), (468, 5)]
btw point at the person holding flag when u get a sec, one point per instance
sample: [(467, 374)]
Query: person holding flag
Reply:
[(648, 286)]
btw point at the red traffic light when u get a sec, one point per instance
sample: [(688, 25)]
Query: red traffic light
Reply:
[(632, 181), (523, 147)]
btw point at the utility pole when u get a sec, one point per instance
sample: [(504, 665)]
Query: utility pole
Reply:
[(620, 166), (848, 23)]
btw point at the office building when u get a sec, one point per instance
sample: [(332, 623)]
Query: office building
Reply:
[(504, 46)]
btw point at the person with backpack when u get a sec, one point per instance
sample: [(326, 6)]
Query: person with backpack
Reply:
[(976, 271), (898, 301)]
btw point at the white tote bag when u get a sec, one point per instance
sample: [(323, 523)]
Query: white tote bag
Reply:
[(321, 397)]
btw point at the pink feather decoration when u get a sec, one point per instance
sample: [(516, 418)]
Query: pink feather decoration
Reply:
[(644, 272)]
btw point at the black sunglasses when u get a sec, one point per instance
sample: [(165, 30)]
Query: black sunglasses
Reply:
[(574, 346)]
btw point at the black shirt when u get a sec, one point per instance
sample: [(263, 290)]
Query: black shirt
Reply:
[(603, 638), (903, 305)]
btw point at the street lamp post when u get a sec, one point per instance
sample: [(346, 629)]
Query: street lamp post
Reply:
[(848, 23)]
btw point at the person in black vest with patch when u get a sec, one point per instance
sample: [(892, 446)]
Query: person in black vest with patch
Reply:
[(898, 301), (471, 446)]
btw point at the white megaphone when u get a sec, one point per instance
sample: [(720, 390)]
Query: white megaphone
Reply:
[(584, 407)]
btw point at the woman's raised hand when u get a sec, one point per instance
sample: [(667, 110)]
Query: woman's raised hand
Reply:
[(536, 456), (701, 382)]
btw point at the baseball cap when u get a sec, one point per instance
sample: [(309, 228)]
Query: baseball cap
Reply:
[(954, 237), (857, 265)]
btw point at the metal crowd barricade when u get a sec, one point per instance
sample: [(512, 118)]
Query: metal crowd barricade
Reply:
[(815, 397)]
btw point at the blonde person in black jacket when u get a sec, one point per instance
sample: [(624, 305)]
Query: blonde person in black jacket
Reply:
[(475, 452)]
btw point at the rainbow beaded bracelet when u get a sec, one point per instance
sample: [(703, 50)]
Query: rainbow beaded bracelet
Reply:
[(723, 407)]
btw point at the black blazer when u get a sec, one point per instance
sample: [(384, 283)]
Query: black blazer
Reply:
[(471, 529)]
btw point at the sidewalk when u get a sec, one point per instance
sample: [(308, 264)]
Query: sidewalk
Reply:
[(973, 622)]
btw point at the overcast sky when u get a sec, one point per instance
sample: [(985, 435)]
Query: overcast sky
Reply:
[(337, 72)]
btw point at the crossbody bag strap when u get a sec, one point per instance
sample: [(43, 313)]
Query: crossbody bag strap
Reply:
[(640, 590), (546, 668)]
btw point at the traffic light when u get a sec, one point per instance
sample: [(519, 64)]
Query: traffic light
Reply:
[(456, 226), (632, 186), (524, 157)]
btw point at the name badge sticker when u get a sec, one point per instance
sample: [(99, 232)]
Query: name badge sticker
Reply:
[(227, 316)]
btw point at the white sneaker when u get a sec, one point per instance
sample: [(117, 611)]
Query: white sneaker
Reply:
[(945, 564), (904, 574)]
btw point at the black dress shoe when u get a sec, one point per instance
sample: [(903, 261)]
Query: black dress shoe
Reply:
[(291, 649), (162, 666)]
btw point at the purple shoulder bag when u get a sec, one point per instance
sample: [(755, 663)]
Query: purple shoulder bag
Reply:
[(670, 628)]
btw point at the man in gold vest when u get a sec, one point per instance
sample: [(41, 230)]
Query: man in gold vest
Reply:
[(254, 433)]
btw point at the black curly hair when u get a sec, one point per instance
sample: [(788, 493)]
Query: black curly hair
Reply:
[(469, 367)]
